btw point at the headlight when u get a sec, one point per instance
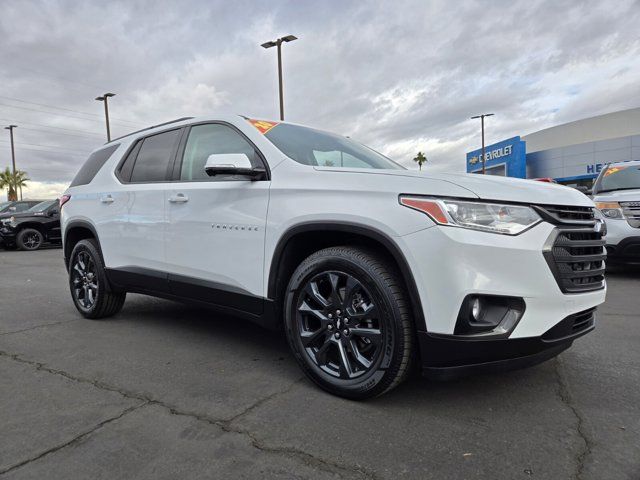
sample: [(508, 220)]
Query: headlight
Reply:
[(486, 217), (610, 210)]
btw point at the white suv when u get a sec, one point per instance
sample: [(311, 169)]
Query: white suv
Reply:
[(369, 268), (617, 195)]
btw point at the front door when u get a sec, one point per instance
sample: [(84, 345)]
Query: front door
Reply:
[(216, 225)]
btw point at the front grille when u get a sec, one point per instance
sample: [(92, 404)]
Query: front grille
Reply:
[(575, 249), (571, 326), (631, 211)]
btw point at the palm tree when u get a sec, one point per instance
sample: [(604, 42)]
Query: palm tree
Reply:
[(12, 182), (420, 159)]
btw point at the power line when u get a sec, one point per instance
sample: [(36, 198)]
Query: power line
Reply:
[(76, 155), (51, 126), (18, 144), (81, 135), (63, 108), (67, 115)]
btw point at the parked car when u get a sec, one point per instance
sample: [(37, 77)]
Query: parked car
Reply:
[(368, 267), (616, 192), (33, 228), (12, 207)]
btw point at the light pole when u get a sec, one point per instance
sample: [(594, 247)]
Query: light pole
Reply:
[(278, 43), (483, 159), (13, 153), (104, 98)]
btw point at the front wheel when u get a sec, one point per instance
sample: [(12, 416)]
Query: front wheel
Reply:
[(29, 239), (348, 323), (88, 283)]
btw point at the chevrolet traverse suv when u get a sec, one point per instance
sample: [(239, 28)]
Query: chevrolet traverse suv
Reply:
[(367, 267)]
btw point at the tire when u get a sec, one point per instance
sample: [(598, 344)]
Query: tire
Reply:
[(29, 239), (363, 349), (88, 283)]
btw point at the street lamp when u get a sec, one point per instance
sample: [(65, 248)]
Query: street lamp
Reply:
[(13, 153), (104, 98), (481, 117), (278, 43)]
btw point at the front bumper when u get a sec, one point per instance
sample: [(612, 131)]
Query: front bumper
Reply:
[(626, 251), (448, 356), (7, 236), (449, 264)]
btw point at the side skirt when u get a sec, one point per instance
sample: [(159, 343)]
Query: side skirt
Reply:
[(221, 298)]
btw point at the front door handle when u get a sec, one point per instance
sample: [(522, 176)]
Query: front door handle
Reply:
[(106, 199), (179, 198)]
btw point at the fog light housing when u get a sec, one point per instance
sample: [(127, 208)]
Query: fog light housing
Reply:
[(489, 315)]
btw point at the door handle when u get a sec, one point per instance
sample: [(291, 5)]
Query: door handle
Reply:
[(179, 198), (106, 199)]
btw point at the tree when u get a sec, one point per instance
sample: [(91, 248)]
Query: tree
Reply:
[(12, 182), (420, 159)]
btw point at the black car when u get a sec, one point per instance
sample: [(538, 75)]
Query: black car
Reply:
[(33, 228), (17, 206)]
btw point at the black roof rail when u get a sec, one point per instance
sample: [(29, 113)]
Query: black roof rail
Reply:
[(151, 127)]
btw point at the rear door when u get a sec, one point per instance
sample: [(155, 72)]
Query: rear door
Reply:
[(133, 227), (216, 230)]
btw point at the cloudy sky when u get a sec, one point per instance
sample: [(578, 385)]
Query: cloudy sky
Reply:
[(400, 76)]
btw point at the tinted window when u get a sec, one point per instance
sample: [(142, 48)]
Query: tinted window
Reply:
[(93, 164), (127, 166), (618, 177), (205, 140), (156, 153), (21, 206), (314, 147)]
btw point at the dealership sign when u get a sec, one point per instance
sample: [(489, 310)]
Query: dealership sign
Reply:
[(510, 153)]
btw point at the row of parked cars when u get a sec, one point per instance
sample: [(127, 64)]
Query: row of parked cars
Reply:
[(29, 224)]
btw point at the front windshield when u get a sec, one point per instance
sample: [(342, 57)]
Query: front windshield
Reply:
[(322, 149), (4, 206), (42, 206), (619, 177)]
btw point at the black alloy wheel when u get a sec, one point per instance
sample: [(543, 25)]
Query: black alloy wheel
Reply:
[(29, 239), (339, 325), (348, 322), (84, 280), (92, 294)]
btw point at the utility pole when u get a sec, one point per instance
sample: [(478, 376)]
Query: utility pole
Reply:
[(13, 153), (278, 43), (483, 159), (104, 98)]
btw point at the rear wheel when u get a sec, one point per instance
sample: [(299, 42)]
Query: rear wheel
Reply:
[(29, 239), (88, 283), (348, 323)]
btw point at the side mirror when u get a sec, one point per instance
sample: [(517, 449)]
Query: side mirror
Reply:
[(232, 164), (54, 212)]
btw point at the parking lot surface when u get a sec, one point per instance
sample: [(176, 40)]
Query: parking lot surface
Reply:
[(165, 390)]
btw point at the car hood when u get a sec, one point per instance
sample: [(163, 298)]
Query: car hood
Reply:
[(618, 196), (486, 187)]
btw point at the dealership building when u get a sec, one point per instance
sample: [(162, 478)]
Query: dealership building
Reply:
[(572, 154)]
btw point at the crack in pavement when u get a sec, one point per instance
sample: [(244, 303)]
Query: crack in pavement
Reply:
[(565, 397), (38, 326), (224, 424), (74, 440)]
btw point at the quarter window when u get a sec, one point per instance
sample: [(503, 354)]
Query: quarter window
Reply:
[(205, 140), (154, 157)]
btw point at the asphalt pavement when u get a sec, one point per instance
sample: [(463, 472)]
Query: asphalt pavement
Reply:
[(165, 390)]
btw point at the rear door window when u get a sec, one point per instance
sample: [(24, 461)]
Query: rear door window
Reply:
[(155, 157), (93, 165)]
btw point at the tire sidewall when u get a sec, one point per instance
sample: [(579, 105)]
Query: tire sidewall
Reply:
[(373, 382), (24, 232)]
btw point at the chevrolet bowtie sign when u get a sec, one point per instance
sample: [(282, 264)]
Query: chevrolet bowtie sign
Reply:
[(508, 157)]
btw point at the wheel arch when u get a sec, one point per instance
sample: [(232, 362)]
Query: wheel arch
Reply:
[(75, 231), (301, 240)]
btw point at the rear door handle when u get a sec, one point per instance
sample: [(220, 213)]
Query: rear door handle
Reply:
[(179, 198), (106, 199)]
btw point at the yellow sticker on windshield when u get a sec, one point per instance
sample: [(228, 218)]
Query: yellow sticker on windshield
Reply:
[(263, 126), (612, 170)]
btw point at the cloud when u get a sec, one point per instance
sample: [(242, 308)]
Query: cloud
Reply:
[(400, 76)]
